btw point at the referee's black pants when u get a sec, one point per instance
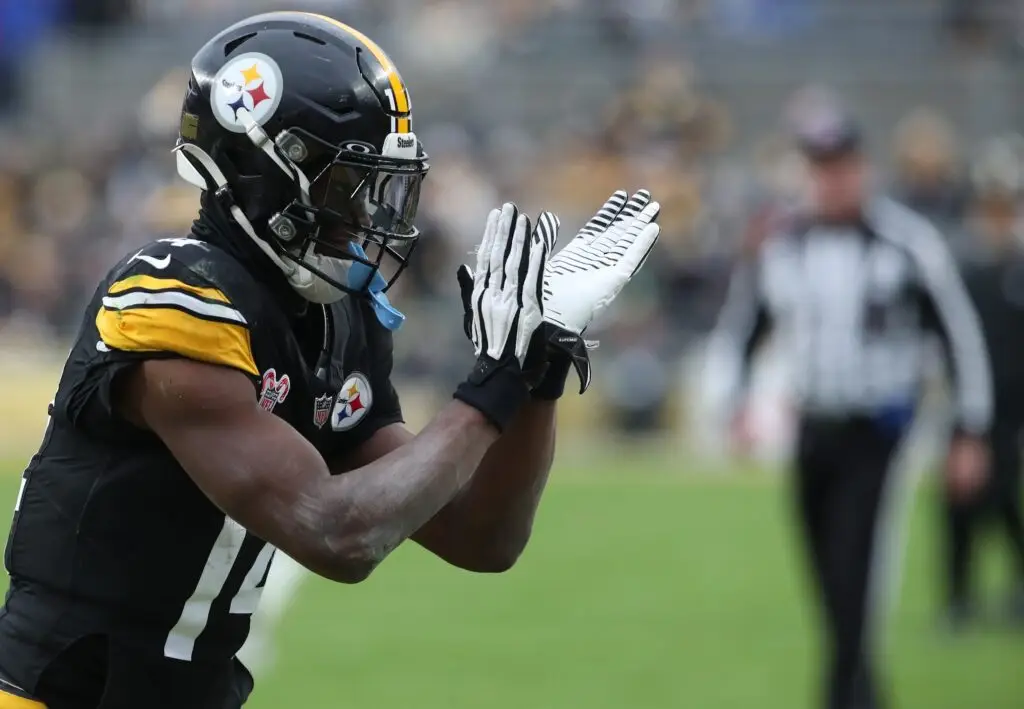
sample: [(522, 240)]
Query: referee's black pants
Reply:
[(842, 473)]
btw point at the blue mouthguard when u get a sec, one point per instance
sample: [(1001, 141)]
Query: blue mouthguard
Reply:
[(358, 275)]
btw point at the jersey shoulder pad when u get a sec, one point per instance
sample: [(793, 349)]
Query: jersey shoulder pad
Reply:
[(182, 297)]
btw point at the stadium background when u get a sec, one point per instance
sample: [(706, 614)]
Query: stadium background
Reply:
[(662, 574)]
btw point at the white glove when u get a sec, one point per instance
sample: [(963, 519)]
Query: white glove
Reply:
[(506, 299), (504, 310), (582, 279)]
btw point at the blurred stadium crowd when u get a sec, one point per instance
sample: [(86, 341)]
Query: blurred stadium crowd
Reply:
[(554, 103)]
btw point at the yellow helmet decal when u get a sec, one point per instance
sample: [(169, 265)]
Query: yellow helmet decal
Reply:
[(398, 95)]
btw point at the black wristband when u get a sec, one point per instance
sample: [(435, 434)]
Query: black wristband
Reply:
[(552, 385), (495, 389)]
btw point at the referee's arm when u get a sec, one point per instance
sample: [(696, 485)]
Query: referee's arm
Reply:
[(743, 325), (950, 314)]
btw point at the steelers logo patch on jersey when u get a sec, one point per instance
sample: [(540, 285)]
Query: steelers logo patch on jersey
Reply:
[(251, 82), (353, 402)]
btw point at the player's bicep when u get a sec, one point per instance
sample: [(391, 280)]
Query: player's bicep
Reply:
[(180, 316), (251, 464)]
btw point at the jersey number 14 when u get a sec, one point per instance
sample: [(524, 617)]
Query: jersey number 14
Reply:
[(195, 615)]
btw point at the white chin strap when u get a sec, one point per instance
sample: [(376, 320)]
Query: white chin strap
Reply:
[(306, 283)]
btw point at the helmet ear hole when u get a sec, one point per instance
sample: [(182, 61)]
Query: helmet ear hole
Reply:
[(245, 161), (257, 184)]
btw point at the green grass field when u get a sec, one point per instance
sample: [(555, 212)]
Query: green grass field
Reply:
[(639, 590)]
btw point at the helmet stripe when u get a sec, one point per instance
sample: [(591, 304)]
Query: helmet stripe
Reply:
[(399, 95)]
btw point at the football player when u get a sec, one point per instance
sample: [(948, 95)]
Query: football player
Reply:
[(229, 392)]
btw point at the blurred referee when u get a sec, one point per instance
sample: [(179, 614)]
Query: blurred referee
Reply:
[(858, 288)]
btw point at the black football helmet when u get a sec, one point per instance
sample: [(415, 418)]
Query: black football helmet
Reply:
[(301, 127)]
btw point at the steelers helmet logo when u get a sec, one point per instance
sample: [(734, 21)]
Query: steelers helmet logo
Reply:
[(353, 402), (250, 82)]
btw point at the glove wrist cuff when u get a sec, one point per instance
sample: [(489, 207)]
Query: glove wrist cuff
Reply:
[(495, 389), (552, 385)]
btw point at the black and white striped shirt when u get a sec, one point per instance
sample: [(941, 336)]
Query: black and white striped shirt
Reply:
[(856, 307)]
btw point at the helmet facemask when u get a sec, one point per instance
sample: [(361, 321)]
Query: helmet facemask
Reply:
[(358, 211), (348, 226)]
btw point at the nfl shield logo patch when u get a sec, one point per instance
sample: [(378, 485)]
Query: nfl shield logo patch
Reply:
[(322, 406)]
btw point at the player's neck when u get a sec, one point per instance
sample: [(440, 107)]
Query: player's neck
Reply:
[(214, 228)]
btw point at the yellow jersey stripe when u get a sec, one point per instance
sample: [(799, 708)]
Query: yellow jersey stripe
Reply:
[(13, 701), (152, 283), (170, 330), (400, 93)]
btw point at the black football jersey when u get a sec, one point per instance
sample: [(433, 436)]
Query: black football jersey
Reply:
[(110, 535)]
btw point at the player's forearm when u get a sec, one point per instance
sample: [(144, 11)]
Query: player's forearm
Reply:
[(489, 525), (366, 513), (511, 478)]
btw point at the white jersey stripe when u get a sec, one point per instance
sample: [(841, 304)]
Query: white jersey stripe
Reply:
[(177, 298)]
